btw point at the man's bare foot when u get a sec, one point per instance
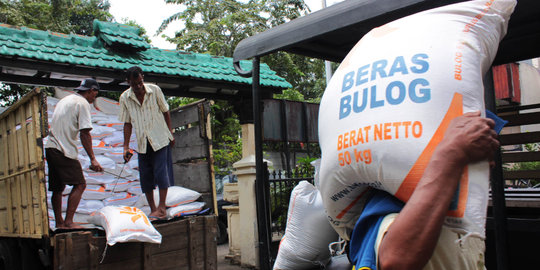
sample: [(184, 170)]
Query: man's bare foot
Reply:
[(157, 215), (69, 226)]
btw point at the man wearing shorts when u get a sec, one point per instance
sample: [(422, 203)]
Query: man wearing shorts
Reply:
[(143, 107), (71, 117)]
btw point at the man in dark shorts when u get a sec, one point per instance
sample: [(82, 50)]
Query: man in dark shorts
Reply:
[(71, 117), (143, 107)]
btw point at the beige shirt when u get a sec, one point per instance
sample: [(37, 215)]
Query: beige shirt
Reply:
[(453, 250), (147, 118), (71, 114)]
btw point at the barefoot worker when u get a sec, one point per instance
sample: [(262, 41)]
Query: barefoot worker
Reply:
[(143, 107), (71, 117)]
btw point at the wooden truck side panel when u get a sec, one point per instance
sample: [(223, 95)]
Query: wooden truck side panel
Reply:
[(187, 244), (23, 206)]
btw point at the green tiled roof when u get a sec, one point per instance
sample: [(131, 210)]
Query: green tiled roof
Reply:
[(114, 34), (105, 51)]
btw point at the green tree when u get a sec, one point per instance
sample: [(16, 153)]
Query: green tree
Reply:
[(217, 26), (63, 16)]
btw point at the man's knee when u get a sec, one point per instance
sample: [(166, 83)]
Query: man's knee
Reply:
[(79, 187)]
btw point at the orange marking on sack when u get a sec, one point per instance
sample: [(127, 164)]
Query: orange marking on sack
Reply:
[(346, 209), (411, 180)]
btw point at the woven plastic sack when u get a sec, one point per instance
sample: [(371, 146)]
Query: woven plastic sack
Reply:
[(391, 100), (308, 232), (89, 206), (175, 196), (125, 224), (185, 209)]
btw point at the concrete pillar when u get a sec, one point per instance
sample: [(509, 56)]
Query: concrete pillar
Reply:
[(249, 248), (230, 194), (248, 140)]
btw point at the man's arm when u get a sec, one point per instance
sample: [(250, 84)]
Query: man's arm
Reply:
[(411, 239), (167, 117), (86, 141), (128, 128)]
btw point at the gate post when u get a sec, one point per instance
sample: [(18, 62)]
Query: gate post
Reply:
[(249, 239)]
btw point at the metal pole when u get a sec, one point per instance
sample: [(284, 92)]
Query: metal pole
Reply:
[(261, 181), (327, 64), (497, 186)]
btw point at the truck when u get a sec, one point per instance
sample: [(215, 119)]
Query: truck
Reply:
[(26, 239)]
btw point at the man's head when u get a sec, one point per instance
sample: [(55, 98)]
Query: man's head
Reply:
[(135, 78), (89, 89)]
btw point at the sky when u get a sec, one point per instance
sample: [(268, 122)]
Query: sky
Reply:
[(151, 13)]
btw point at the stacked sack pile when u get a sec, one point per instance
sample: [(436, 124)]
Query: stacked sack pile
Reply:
[(118, 184)]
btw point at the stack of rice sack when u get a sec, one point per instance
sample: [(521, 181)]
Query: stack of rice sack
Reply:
[(118, 184)]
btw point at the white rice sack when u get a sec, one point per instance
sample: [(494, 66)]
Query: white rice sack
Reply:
[(80, 218), (64, 201), (51, 104), (391, 99), (116, 154), (175, 196), (308, 232), (125, 224), (99, 147), (121, 198), (119, 186), (100, 132), (133, 164), (185, 209), (99, 178), (105, 162), (67, 190), (135, 188), (95, 192), (60, 93), (107, 105), (88, 207)]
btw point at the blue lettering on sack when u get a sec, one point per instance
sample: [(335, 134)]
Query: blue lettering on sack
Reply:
[(396, 92)]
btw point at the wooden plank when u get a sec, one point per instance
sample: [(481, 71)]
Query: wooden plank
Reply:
[(59, 251), (210, 160), (185, 154), (146, 256), (93, 252), (210, 242), (520, 156), (192, 175), (14, 184), (15, 106), (28, 148), (522, 119), (6, 218), (526, 174), (39, 110), (519, 138), (20, 121), (184, 116), (191, 243)]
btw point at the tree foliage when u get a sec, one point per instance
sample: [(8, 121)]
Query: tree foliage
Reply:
[(216, 27), (63, 16)]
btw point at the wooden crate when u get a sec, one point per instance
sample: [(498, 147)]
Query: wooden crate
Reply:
[(186, 244)]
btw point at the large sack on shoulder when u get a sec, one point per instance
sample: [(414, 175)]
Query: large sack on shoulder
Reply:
[(391, 100), (308, 232), (125, 224)]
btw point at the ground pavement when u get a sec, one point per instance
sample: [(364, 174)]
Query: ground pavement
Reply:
[(222, 263)]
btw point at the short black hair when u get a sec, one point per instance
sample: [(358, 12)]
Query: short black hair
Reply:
[(133, 72)]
